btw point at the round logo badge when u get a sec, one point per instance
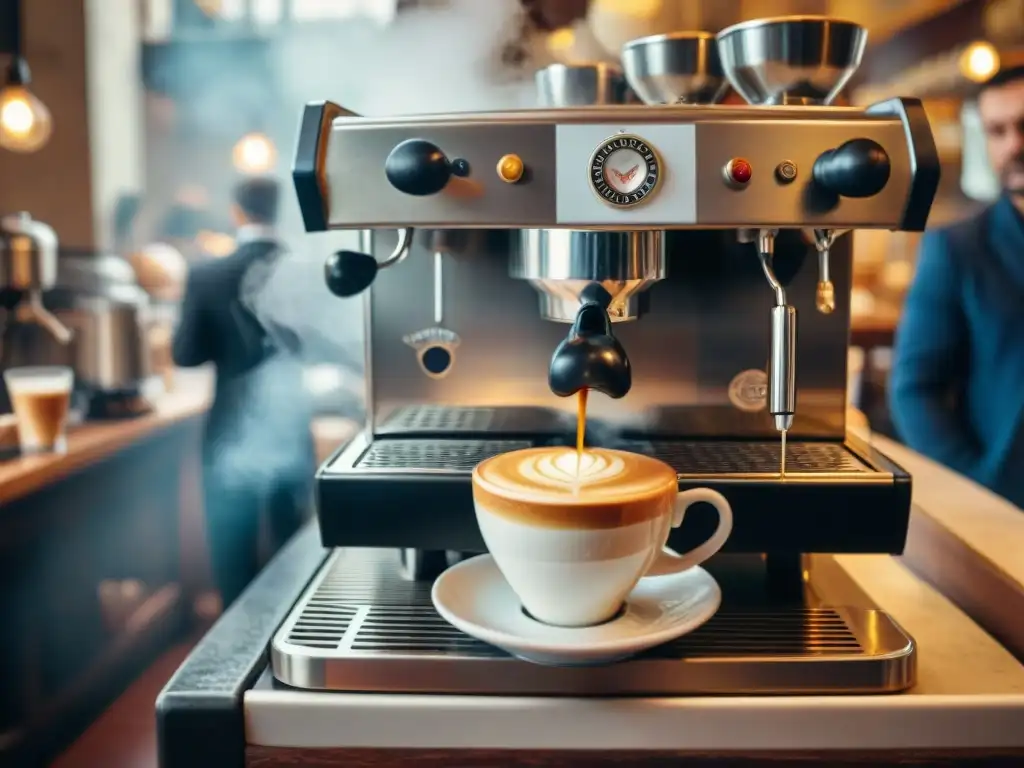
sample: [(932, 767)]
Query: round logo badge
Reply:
[(748, 390), (624, 170)]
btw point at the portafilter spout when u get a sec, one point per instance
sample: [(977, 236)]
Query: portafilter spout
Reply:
[(590, 357)]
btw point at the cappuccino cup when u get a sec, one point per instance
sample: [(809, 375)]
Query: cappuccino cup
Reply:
[(573, 536)]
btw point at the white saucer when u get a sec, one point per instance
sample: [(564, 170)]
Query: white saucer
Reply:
[(474, 597)]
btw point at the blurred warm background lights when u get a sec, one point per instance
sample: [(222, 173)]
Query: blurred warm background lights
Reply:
[(979, 61), (25, 124), (254, 153)]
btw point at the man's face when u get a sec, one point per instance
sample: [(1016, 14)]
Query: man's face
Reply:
[(1002, 115)]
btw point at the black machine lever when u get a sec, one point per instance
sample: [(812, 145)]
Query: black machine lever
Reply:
[(417, 167), (348, 273), (857, 168), (590, 357)]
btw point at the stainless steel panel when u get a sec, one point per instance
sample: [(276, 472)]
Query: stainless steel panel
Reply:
[(361, 627), (765, 201), (361, 197), (697, 353), (556, 191)]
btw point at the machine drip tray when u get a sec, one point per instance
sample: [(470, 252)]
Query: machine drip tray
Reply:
[(361, 626)]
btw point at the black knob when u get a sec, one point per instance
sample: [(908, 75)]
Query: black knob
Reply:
[(590, 357), (858, 168), (418, 167), (348, 272)]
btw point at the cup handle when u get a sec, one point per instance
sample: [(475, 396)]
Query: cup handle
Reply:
[(668, 562)]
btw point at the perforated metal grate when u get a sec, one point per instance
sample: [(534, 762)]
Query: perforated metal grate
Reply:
[(451, 455), (442, 418), (714, 457), (711, 457), (363, 627), (365, 606)]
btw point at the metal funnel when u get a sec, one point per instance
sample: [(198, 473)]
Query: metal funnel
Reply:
[(580, 85), (791, 59), (677, 68)]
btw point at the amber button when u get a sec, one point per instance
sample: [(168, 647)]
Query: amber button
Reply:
[(510, 169)]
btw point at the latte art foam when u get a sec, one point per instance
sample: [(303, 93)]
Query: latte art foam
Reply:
[(577, 470), (603, 476)]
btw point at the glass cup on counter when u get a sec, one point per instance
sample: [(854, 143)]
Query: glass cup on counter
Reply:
[(40, 398)]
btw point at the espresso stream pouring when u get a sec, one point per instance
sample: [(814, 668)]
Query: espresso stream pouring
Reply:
[(590, 357)]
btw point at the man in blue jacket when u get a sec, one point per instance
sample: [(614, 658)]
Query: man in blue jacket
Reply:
[(957, 384)]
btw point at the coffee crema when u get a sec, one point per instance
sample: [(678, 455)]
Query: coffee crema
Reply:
[(545, 487), (41, 415)]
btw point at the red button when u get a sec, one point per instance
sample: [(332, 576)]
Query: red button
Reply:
[(739, 171)]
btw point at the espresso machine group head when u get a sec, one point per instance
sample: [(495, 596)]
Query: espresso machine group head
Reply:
[(642, 217)]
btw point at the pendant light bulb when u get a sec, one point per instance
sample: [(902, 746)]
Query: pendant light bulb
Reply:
[(25, 122)]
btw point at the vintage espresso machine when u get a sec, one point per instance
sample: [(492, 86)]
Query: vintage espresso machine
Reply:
[(710, 229)]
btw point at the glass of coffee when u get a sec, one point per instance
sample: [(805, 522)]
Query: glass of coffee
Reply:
[(40, 397), (573, 533)]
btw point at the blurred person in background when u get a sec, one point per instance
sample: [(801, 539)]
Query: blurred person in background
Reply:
[(957, 383), (258, 454)]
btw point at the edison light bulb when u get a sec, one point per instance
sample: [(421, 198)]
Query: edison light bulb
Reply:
[(979, 61), (25, 123), (254, 153)]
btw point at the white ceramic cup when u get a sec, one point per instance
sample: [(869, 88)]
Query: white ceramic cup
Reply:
[(571, 543)]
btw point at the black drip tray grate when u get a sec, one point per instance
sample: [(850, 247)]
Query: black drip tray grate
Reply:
[(363, 627), (434, 455), (686, 457), (716, 457)]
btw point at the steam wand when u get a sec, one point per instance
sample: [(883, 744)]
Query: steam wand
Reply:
[(782, 369), (33, 311), (825, 297)]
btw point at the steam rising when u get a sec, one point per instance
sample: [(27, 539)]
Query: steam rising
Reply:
[(316, 339)]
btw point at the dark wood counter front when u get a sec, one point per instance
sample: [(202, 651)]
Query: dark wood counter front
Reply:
[(95, 580)]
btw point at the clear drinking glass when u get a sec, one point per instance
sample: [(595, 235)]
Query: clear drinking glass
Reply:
[(40, 398)]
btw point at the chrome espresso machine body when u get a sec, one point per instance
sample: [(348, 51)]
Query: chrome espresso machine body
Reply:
[(711, 229)]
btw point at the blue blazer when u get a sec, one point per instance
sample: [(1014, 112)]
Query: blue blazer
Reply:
[(957, 385)]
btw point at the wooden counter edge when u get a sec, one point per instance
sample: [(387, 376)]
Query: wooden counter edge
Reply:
[(954, 560), (292, 757), (92, 442)]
